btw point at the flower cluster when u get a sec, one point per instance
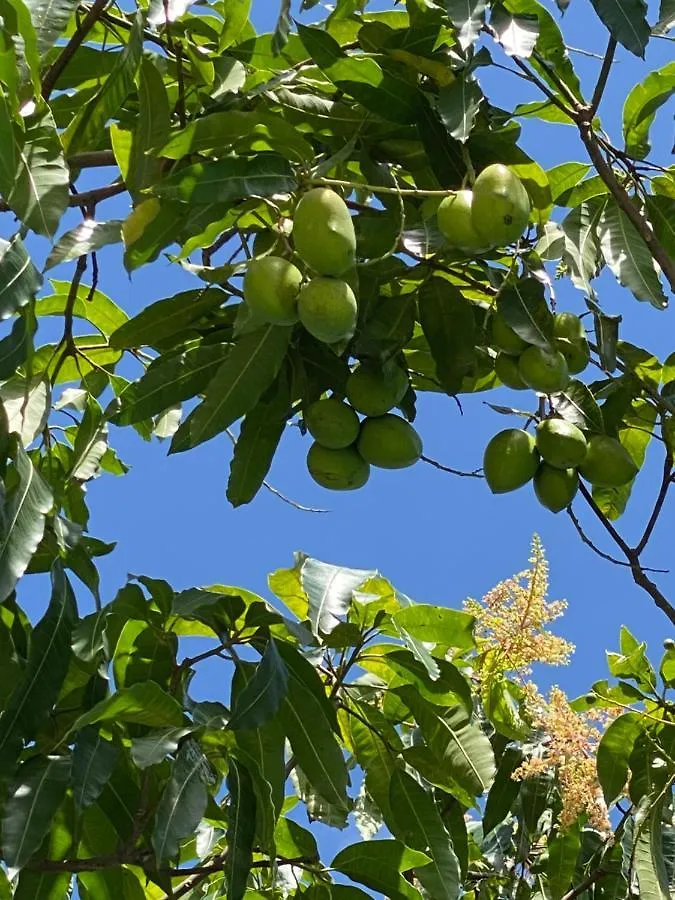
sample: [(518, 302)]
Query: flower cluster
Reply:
[(512, 620), (568, 749)]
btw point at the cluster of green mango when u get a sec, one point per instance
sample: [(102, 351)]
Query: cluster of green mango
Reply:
[(324, 239), (554, 459), (520, 365), (345, 447), (493, 214)]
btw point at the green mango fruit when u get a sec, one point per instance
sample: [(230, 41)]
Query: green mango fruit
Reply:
[(504, 338), (607, 463), (389, 442), (271, 288), (337, 470), (501, 206), (506, 369), (561, 443), (510, 460), (570, 339), (332, 423), (544, 370), (327, 309), (373, 392), (456, 225), (555, 488), (323, 232)]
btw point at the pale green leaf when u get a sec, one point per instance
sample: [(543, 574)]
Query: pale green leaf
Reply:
[(88, 237), (628, 256), (182, 804)]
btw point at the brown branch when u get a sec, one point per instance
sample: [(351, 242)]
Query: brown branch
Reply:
[(612, 559), (624, 201), (53, 73), (432, 462), (91, 159), (584, 885), (639, 574), (666, 481), (601, 84)]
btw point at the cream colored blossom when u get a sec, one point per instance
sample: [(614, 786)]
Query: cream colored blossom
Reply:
[(512, 620)]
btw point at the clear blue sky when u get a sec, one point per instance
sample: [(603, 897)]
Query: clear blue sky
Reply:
[(439, 538)]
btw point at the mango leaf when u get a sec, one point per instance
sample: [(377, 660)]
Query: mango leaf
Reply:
[(155, 746), (240, 829), (661, 212), (144, 703), (566, 176), (36, 793), (378, 90), (151, 127), (182, 804), (666, 17), (378, 865), (614, 753), (524, 308), (19, 279), (465, 751), (34, 885), (468, 18), (282, 28), (625, 20), (627, 256), (313, 742), (504, 790), (15, 348), (88, 237), (563, 851), (577, 405), (418, 824), (260, 700), (50, 18), (27, 405), (18, 23), (84, 130), (438, 625), (650, 866), (516, 33), (94, 759), (641, 106), (259, 436), (247, 372), (45, 671), (164, 318), (581, 253), (94, 306), (24, 516), (458, 104), (330, 590), (225, 180), (39, 195), (449, 325), (606, 336)]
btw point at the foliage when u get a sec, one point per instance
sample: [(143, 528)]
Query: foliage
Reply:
[(415, 721)]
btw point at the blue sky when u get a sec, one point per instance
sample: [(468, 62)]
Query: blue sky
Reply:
[(439, 538)]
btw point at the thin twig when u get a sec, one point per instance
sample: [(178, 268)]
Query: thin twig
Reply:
[(53, 73), (477, 473), (666, 481), (589, 543), (584, 885)]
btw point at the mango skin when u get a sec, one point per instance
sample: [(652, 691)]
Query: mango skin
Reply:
[(501, 206), (544, 370), (271, 287), (337, 470), (561, 444), (504, 338), (332, 423), (327, 309), (506, 369), (323, 232), (555, 488), (374, 392), (456, 224), (510, 460), (389, 442), (570, 339), (607, 463)]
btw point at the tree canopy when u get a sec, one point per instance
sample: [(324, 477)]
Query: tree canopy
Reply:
[(362, 226)]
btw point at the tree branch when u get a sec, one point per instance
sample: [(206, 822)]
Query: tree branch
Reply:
[(640, 577), (584, 885), (666, 481), (53, 73)]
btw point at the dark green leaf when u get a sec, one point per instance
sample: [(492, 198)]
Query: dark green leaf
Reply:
[(164, 318), (563, 850), (582, 246), (225, 180), (50, 18), (626, 21), (19, 279), (614, 753), (240, 830), (182, 804), (42, 885), (606, 336), (504, 790), (577, 405), (152, 127), (378, 865), (524, 307), (282, 28), (650, 866), (144, 703), (88, 237), (36, 793), (264, 693), (236, 387), (15, 348), (94, 759), (458, 106), (449, 326), (85, 129)]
